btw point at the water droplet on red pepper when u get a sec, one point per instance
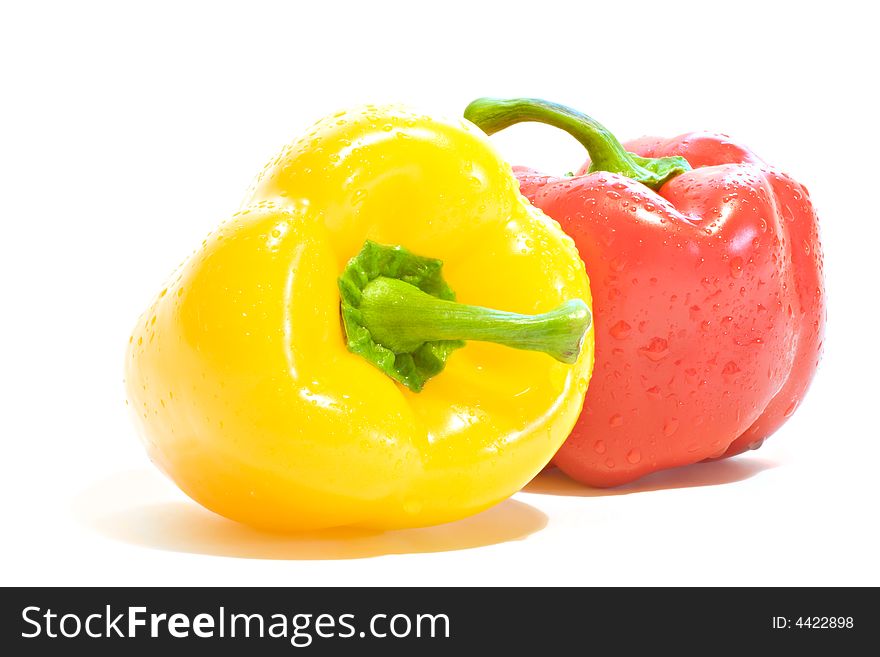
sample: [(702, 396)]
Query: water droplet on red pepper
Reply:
[(620, 330), (736, 267), (656, 349)]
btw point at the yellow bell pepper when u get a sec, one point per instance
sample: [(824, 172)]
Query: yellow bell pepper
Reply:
[(263, 406)]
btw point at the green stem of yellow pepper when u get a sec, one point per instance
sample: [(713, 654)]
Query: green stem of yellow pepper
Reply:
[(400, 315)]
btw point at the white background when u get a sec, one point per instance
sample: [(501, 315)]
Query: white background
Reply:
[(128, 131)]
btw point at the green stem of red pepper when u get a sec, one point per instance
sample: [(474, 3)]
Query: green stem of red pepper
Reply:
[(606, 152)]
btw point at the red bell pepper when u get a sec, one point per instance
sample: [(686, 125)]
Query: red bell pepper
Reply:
[(709, 305)]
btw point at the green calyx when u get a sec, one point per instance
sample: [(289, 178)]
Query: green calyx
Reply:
[(606, 152), (401, 316)]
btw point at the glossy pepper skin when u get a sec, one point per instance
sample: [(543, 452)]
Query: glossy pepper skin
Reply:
[(708, 297), (246, 393)]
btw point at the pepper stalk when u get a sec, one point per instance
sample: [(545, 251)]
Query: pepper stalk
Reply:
[(606, 152), (399, 314)]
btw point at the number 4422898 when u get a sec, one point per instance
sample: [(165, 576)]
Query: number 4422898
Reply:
[(824, 622)]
